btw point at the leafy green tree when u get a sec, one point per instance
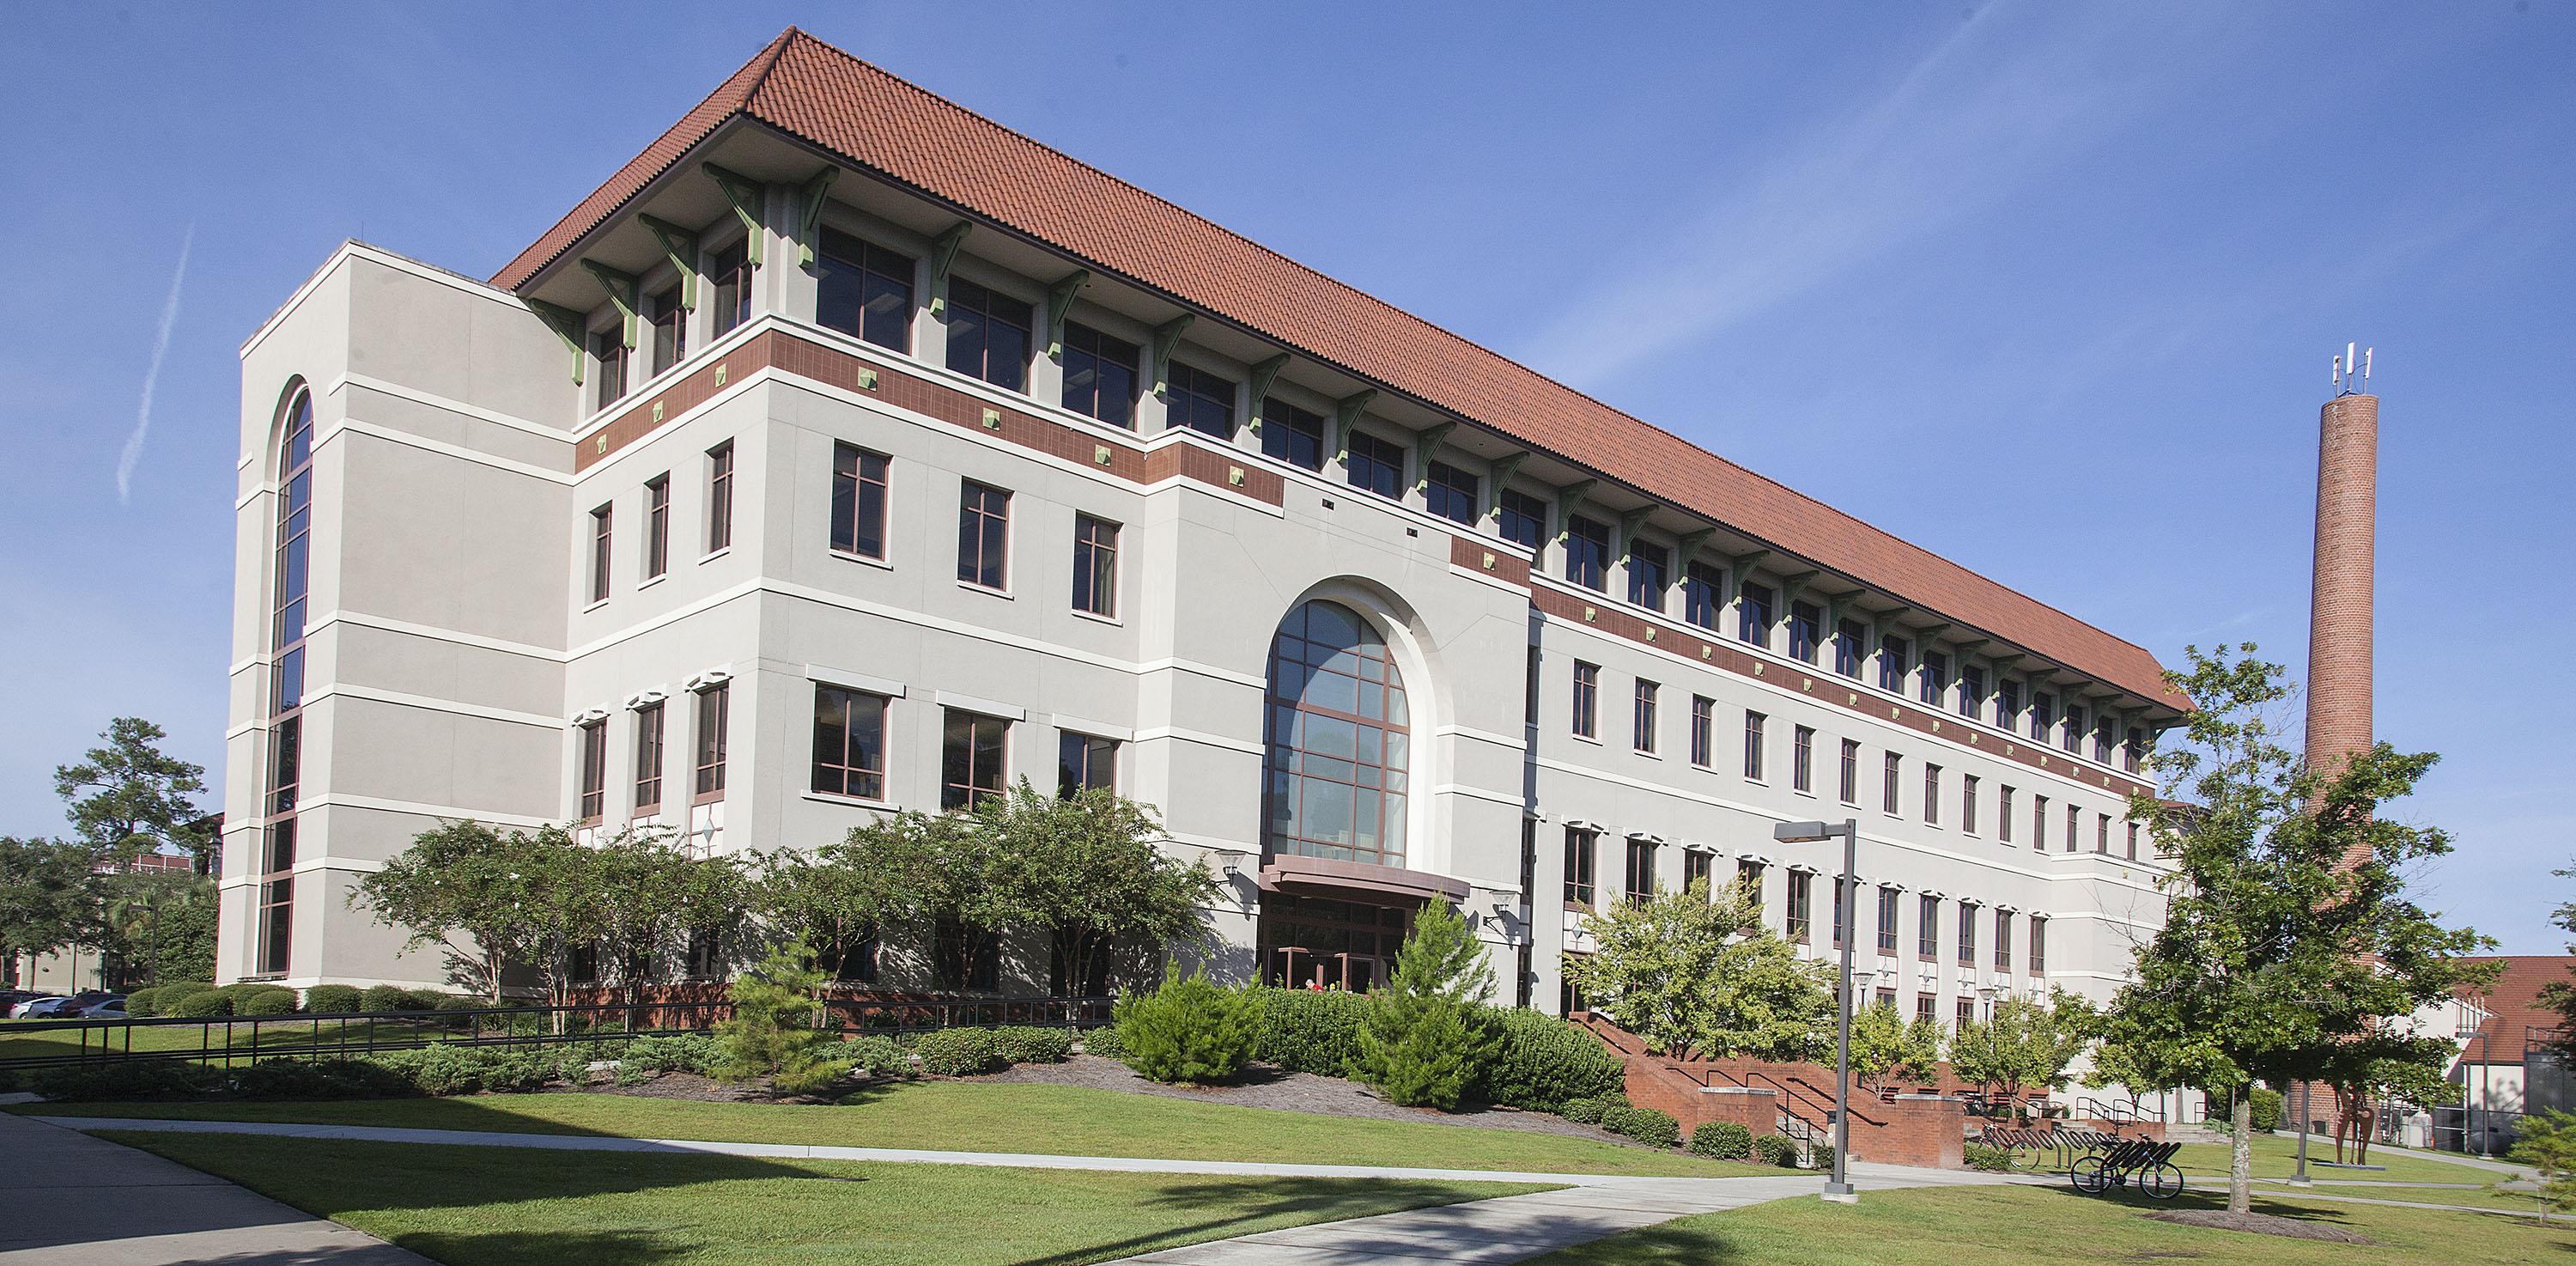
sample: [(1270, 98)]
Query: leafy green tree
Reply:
[(1425, 1036), (462, 879), (127, 797), (2560, 995), (2548, 1144), (1088, 871), (49, 896), (2136, 1050), (1886, 1047), (650, 897), (2023, 1044), (1692, 974), (775, 1029), (2288, 932), (159, 925), (828, 898)]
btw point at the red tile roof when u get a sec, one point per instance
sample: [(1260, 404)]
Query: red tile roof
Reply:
[(872, 119), (2513, 1004)]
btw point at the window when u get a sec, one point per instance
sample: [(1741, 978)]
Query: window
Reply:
[(983, 534), (1931, 794), (1887, 900), (2074, 826), (1100, 375), (1849, 637), (1972, 689), (972, 747), (1967, 1012), (657, 526), (1805, 625), (1638, 884), (1292, 434), (2039, 823), (1523, 518), (1529, 859), (1802, 759), (1587, 698), (1587, 553), (705, 955), (1851, 771), (1889, 795), (858, 501), (1703, 739), (1375, 465), (1579, 848), (1645, 717), (1933, 685), (292, 575), (2003, 940), (730, 277), (1095, 565), (1701, 585), (2102, 833), (2007, 703), (1967, 934), (1753, 615), (720, 497), (1840, 908), (599, 555), (2133, 841), (714, 703), (1927, 928), (864, 289), (1695, 868), (853, 959), (1650, 573), (1199, 400), (1753, 723), (1968, 804), (2102, 741), (849, 743), (1529, 687), (2039, 945), (2133, 749), (285, 766), (1334, 777), (648, 758), (1451, 493), (1748, 881), (988, 335), (670, 329), (608, 350), (2004, 814), (1894, 658), (1085, 762), (2043, 709), (2072, 736), (1923, 1012), (594, 771), (1801, 898), (277, 918)]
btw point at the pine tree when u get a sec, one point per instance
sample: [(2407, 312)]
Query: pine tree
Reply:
[(773, 1032), (1425, 1038)]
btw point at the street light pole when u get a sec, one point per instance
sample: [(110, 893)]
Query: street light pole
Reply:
[(1838, 1188)]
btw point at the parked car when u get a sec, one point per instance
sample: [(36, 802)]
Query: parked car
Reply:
[(10, 998), (111, 1007), (61, 1008), (28, 1010)]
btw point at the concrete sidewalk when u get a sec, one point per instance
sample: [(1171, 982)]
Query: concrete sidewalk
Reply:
[(78, 1201)]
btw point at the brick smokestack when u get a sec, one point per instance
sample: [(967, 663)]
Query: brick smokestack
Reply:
[(2339, 631)]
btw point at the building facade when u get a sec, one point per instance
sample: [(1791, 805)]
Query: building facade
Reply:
[(847, 452)]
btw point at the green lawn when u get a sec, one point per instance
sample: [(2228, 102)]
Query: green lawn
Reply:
[(983, 1117), (2276, 1157), (2475, 1197), (473, 1206), (2044, 1226)]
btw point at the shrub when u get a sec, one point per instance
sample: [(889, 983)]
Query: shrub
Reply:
[(265, 1002), (462, 1070), (138, 1004), (1649, 1126), (381, 998), (332, 999), (963, 1052), (1189, 1030), (1722, 1140), (1590, 1109), (126, 1079), (2267, 1109), (771, 1032), (463, 1002), (678, 1053), (1424, 1038), (1772, 1149), (1311, 1030), (1104, 1042), (319, 1079), (878, 1057), (1988, 1157), (1820, 1156), (1541, 1063), (1021, 1044), (212, 1002)]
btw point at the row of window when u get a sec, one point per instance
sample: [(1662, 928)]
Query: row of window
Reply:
[(711, 718)]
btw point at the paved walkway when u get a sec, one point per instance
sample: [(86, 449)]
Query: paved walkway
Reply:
[(78, 1201)]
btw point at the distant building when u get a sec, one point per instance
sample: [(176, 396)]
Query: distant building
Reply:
[(2506, 1066)]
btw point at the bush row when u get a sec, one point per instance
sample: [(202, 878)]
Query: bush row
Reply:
[(204, 1000)]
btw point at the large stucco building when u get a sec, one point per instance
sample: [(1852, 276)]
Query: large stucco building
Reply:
[(847, 451)]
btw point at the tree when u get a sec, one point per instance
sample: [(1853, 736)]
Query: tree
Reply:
[(49, 896), (2023, 1044), (1885, 1047), (2548, 1144), (461, 879), (1688, 973), (158, 925), (2288, 931), (2141, 1049), (2560, 995), (1086, 869), (774, 1030), (129, 798), (1425, 1036), (826, 898), (650, 899)]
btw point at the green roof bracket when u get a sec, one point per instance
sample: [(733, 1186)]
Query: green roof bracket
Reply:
[(1568, 500), (1743, 566), (943, 256), (1793, 588), (680, 246), (1166, 337), (809, 213), (1687, 546), (1059, 302), (1628, 525), (744, 195), (621, 288), (1264, 374), (1502, 469), (1346, 414), (1426, 444), (569, 326)]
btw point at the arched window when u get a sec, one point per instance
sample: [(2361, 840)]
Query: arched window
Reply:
[(1338, 742), (286, 691)]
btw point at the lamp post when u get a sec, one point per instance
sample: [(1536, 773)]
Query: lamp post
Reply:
[(1838, 1188)]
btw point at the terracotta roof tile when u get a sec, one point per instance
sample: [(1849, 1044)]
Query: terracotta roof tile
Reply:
[(871, 118)]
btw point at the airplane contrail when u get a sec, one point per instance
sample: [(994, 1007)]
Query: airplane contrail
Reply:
[(133, 454)]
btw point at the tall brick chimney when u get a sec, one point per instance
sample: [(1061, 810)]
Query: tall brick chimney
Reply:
[(2339, 630)]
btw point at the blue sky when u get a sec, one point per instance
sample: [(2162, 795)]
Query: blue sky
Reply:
[(2048, 288)]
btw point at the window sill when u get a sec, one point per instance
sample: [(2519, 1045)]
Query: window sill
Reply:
[(1758, 782), (650, 581), (987, 590), (1097, 618), (707, 798), (595, 604), (1584, 738), (1803, 792), (849, 557), (714, 554), (1647, 752), (854, 802)]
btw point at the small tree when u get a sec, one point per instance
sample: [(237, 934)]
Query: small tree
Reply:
[(2548, 1144), (2024, 1044), (773, 1030), (1885, 1047), (49, 896), (1688, 973), (1188, 1030), (462, 879), (2559, 996), (127, 797), (1424, 1039), (650, 897), (1088, 871)]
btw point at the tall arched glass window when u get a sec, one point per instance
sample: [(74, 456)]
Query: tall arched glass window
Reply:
[(286, 694), (1338, 740)]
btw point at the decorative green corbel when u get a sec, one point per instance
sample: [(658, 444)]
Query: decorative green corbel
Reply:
[(809, 213), (1687, 548), (1504, 467), (1794, 587), (1346, 414), (1166, 337), (1923, 636), (1427, 444), (1568, 500), (943, 256), (1264, 374), (680, 246), (569, 326), (1059, 302), (1628, 525), (1743, 567), (621, 288), (744, 195)]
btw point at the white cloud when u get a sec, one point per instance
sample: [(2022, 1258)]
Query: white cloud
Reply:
[(133, 454)]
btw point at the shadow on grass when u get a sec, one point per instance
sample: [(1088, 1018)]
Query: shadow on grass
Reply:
[(1247, 1201)]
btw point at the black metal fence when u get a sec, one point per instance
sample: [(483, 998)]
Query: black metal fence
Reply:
[(227, 1040)]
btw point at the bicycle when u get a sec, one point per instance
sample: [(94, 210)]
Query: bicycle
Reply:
[(2150, 1163)]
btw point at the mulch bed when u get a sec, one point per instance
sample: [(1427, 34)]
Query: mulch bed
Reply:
[(2260, 1224)]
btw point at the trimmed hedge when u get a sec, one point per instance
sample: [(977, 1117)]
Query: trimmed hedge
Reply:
[(681, 1053), (1821, 1156), (265, 1002), (1773, 1149), (1650, 1126), (1189, 1030), (332, 999), (320, 1079), (2269, 1109), (1722, 1140), (211, 1003), (1311, 1030), (126, 1079), (1988, 1157), (1541, 1063), (879, 1057), (963, 1052), (1591, 1109), (1104, 1042), (1024, 1044), (385, 998)]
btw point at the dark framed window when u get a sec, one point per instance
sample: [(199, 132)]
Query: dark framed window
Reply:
[(858, 501), (1931, 794), (1753, 744), (1801, 921), (285, 765), (988, 335), (1849, 637), (1650, 573), (720, 497), (1702, 586), (973, 750), (1292, 435), (965, 957), (1887, 900), (1644, 739), (1695, 868), (2134, 748), (1522, 518), (2102, 741), (849, 743), (1753, 615), (1638, 884), (2039, 945), (1850, 785), (2043, 715), (705, 955), (1802, 758), (730, 278), (1932, 685), (1375, 465), (1587, 699), (1100, 375), (1923, 1009), (1451, 493), (1748, 881), (2003, 940), (1842, 907), (1580, 849), (2102, 833), (2039, 823), (608, 356), (1587, 552), (1972, 689), (1889, 792), (1085, 762), (1927, 928), (2133, 841), (2071, 736), (983, 534), (1529, 859), (277, 924), (292, 575), (2004, 814), (601, 520), (1895, 656), (1967, 1013), (594, 771), (648, 758), (1968, 803), (864, 289), (1339, 740), (657, 526), (1703, 719), (2074, 826), (2007, 703), (1199, 400), (1967, 934), (1805, 625), (1095, 565), (715, 705), (670, 329)]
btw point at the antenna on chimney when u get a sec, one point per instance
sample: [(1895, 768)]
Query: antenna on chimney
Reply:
[(2352, 369)]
